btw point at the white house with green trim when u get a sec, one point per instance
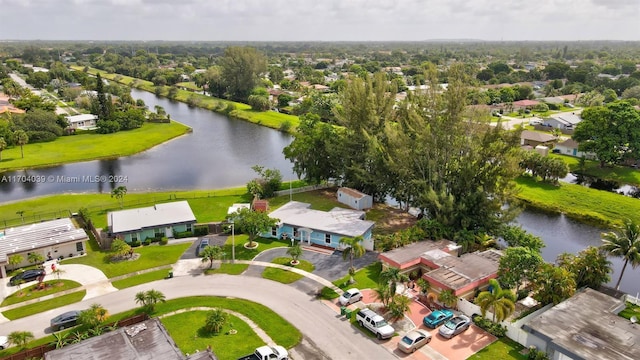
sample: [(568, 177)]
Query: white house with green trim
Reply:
[(160, 220)]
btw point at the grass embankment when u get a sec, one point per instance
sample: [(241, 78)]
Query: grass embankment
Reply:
[(366, 278), (285, 276), (90, 146), (32, 292), (272, 119), (140, 279), (622, 174), (227, 268), (630, 310), (596, 207), (503, 349), (44, 305)]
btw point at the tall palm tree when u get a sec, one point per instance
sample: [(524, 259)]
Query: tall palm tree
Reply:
[(295, 252), (148, 299), (391, 277), (216, 319), (624, 243), (353, 250), (3, 145), (211, 253), (448, 298), (502, 302), (22, 139)]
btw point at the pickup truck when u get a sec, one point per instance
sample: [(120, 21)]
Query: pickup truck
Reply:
[(375, 323), (268, 353)]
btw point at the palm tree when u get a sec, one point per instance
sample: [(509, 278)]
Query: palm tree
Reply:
[(500, 301), (448, 298), (148, 299), (216, 319), (353, 250), (60, 339), (35, 258), (624, 243), (93, 316), (20, 338), (399, 306), (15, 260), (391, 277), (384, 294), (295, 252), (211, 253), (22, 139), (3, 145)]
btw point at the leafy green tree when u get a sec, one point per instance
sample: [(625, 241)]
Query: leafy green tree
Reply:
[(35, 258), (632, 93), (259, 102), (590, 267), (276, 74), (103, 106), (517, 265), (384, 294), (552, 284), (515, 235), (266, 184), (21, 138), (119, 194), (61, 339), (20, 338), (610, 95), (391, 276), (612, 132), (502, 302), (399, 305), (15, 260), (216, 319), (3, 145), (448, 298), (120, 249), (211, 254), (253, 223), (295, 252), (149, 299), (92, 317), (241, 68), (30, 101), (624, 243), (353, 249)]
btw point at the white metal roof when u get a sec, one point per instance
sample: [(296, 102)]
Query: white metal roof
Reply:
[(338, 221), (150, 217), (81, 117), (35, 236)]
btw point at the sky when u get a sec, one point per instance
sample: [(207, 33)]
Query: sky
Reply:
[(319, 20)]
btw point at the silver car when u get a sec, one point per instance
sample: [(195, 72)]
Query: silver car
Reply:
[(455, 326), (350, 296), (413, 340)]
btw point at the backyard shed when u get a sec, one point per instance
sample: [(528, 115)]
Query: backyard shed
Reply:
[(354, 198)]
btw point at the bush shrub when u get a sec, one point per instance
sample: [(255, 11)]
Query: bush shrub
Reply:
[(494, 329), (201, 231), (182, 234), (135, 243), (535, 354), (146, 242), (164, 241), (285, 126)]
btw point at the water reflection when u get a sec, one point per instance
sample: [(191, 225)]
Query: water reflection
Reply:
[(600, 184)]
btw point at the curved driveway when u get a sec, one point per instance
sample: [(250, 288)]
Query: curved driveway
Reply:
[(333, 336)]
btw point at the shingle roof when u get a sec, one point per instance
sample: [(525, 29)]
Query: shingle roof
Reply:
[(536, 136), (352, 192), (123, 221)]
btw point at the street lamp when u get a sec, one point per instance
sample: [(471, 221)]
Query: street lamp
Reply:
[(233, 244)]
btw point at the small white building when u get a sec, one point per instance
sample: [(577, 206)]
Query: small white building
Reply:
[(354, 198), (570, 147), (83, 122)]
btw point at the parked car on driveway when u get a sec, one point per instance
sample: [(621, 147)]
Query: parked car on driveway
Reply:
[(437, 318), (26, 276), (454, 326), (203, 243), (368, 319), (4, 342), (350, 296), (65, 320), (413, 340)]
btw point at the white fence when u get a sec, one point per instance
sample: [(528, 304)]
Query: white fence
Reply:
[(632, 299), (303, 189)]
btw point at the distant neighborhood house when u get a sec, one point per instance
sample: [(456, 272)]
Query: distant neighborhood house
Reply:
[(535, 138), (160, 220), (325, 228), (565, 121), (570, 147), (82, 122)]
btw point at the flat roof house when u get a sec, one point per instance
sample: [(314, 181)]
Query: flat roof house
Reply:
[(52, 239), (564, 121), (585, 326), (160, 220), (82, 122), (324, 228)]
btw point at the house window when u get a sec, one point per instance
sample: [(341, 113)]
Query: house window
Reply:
[(327, 238), (79, 247), (159, 233), (134, 237), (274, 231), (189, 228), (295, 232)]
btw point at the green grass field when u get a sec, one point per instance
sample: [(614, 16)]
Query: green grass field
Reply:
[(90, 146), (366, 278), (31, 292), (44, 305), (623, 174), (227, 268), (284, 276), (140, 279), (503, 349)]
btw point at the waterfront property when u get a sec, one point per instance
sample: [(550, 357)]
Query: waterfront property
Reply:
[(440, 265), (299, 222), (51, 239), (82, 122), (570, 147), (354, 198), (160, 220)]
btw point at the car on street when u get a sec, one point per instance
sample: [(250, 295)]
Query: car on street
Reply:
[(437, 318), (4, 342), (413, 340), (65, 320), (455, 326), (203, 243), (350, 296), (26, 276)]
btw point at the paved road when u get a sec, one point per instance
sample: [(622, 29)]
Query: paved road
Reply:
[(326, 334), (513, 122)]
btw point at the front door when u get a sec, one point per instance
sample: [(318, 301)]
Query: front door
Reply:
[(168, 232)]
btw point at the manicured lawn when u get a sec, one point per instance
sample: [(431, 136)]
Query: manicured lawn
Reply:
[(45, 305), (316, 198), (593, 206), (243, 253), (150, 256), (623, 174), (630, 310), (90, 146), (228, 268), (503, 349), (189, 85), (141, 279), (366, 278), (328, 293), (187, 330), (31, 292), (284, 276)]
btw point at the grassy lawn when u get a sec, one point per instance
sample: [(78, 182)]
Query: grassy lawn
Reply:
[(328, 293), (189, 85), (504, 349), (243, 253), (31, 292), (187, 330), (284, 276), (366, 278), (150, 256), (45, 305), (597, 207), (623, 174), (140, 279), (228, 268), (317, 199), (630, 310), (90, 146)]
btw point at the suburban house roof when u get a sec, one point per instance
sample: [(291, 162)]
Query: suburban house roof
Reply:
[(82, 117), (536, 136), (553, 100), (352, 192), (457, 272), (526, 103), (569, 143), (409, 255), (35, 236), (236, 207), (145, 340), (567, 119), (260, 205), (150, 217), (338, 221), (586, 326)]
